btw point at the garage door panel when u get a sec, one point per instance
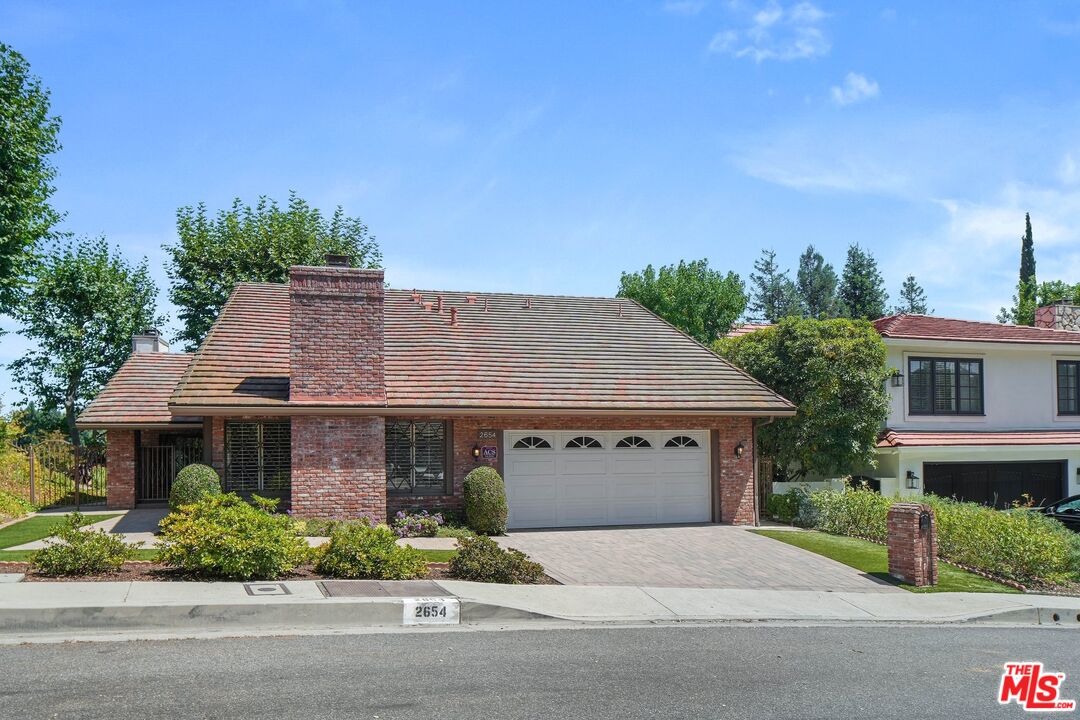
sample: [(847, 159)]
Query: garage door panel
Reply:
[(581, 486)]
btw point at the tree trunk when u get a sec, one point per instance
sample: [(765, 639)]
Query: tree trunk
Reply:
[(69, 412)]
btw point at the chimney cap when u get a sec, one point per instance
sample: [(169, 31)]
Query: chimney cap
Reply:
[(334, 260)]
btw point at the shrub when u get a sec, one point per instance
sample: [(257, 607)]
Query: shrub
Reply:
[(416, 524), (1021, 544), (74, 551), (222, 536), (485, 501), (13, 506), (783, 508), (482, 560), (359, 550), (193, 483)]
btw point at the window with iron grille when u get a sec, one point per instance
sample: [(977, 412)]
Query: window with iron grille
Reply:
[(416, 458), (258, 458)]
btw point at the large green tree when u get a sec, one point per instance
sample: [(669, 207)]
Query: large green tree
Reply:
[(28, 136), (86, 303), (702, 302), (862, 289), (252, 244), (912, 298), (816, 283), (1026, 300), (772, 293), (834, 371)]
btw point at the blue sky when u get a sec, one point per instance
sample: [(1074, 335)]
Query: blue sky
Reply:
[(546, 147)]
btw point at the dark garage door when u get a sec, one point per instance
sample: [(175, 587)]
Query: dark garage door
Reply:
[(997, 484)]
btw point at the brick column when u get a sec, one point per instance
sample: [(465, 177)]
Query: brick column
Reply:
[(338, 467), (736, 473), (912, 550), (120, 469)]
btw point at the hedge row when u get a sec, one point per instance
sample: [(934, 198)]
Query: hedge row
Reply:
[(1020, 544)]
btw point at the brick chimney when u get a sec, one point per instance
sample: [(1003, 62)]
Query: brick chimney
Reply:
[(1062, 315), (336, 334)]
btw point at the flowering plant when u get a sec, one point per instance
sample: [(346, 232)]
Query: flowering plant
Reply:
[(416, 524)]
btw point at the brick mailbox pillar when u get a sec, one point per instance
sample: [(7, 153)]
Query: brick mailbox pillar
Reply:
[(913, 544)]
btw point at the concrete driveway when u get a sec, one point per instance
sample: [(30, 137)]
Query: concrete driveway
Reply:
[(714, 556)]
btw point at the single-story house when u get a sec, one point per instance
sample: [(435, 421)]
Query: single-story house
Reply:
[(346, 398)]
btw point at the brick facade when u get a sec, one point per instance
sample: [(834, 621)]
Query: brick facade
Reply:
[(338, 467), (336, 335), (120, 466), (734, 487), (912, 550)]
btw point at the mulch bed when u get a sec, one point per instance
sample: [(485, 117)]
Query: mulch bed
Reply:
[(146, 571)]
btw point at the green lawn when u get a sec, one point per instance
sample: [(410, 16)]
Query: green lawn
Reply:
[(38, 527), (873, 559), (438, 556)]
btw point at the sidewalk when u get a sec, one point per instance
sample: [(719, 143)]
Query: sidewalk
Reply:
[(70, 610)]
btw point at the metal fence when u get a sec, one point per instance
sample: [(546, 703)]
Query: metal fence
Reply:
[(159, 464), (54, 472)]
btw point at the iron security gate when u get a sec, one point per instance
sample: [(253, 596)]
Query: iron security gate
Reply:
[(997, 484), (159, 464), (54, 472)]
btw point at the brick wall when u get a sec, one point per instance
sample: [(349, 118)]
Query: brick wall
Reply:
[(338, 467), (336, 335), (734, 487), (120, 465)]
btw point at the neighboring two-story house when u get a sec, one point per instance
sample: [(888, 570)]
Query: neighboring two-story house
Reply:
[(983, 411)]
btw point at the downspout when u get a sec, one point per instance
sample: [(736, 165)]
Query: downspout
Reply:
[(755, 425)]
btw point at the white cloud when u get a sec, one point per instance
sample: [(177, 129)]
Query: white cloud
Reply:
[(856, 88), (773, 32), (684, 7), (1068, 171)]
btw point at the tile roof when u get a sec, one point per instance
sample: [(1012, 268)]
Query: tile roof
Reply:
[(902, 438), (746, 329), (560, 353), (926, 327), (139, 392)]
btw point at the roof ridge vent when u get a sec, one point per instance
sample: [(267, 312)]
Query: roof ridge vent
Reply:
[(453, 317), (428, 305), (528, 303), (485, 304), (440, 303), (470, 299), (416, 296)]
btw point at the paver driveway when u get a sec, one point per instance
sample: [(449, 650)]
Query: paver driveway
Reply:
[(716, 556)]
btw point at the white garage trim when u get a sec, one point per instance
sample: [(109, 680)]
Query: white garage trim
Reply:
[(579, 478)]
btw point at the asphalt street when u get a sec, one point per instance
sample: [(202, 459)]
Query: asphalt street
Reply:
[(654, 672)]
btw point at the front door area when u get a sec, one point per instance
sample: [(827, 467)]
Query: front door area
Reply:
[(997, 484), (158, 463), (579, 478)]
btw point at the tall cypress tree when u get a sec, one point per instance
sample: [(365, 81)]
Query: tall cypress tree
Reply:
[(1027, 253), (862, 289), (1025, 300)]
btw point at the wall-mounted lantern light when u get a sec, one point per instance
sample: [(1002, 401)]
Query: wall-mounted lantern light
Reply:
[(476, 452), (912, 480), (897, 379), (740, 448)]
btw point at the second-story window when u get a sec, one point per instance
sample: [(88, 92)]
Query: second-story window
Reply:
[(945, 386), (1068, 387)]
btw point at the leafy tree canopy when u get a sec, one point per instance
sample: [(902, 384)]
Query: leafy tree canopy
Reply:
[(252, 244), (912, 298), (84, 307), (835, 372), (862, 289), (772, 294), (816, 283), (28, 136), (702, 302)]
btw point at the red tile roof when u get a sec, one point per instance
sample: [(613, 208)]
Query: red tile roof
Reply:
[(903, 438), (138, 394), (926, 327), (507, 351), (746, 329)]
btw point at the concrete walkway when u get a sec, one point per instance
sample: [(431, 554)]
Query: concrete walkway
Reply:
[(691, 556)]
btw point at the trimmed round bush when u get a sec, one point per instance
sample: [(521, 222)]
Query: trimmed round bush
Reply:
[(480, 559), (485, 501), (223, 536), (193, 483), (361, 551)]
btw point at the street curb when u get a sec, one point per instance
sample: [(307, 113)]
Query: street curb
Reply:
[(318, 614), (1055, 617)]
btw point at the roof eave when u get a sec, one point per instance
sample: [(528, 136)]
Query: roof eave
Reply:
[(458, 410)]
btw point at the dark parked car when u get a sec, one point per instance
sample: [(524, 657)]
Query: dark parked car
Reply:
[(1067, 511)]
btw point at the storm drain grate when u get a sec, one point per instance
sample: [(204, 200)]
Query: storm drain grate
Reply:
[(266, 589)]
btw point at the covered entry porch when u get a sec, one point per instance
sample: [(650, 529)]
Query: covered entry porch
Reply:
[(159, 456)]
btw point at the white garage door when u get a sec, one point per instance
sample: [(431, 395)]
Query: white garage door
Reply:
[(581, 478)]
